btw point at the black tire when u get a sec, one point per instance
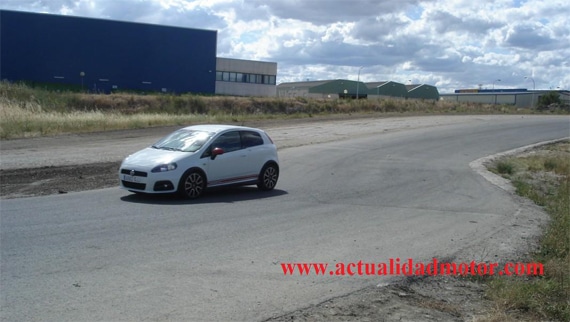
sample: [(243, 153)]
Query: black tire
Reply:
[(192, 185), (268, 177)]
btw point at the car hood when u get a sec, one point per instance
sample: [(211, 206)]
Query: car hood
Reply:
[(151, 157)]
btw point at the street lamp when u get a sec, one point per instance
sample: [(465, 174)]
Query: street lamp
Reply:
[(497, 80), (533, 89), (358, 81), (533, 83)]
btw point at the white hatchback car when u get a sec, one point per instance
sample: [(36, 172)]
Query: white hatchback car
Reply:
[(197, 157)]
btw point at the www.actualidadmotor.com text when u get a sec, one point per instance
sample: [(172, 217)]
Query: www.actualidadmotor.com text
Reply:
[(409, 267)]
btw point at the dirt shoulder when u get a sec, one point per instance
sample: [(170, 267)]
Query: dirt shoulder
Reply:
[(27, 182), (413, 299)]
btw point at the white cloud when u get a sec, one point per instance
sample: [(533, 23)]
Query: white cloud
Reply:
[(448, 43)]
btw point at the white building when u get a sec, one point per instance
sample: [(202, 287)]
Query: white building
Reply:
[(240, 77)]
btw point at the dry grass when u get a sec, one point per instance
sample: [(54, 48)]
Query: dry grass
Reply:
[(544, 177), (26, 111), (30, 120)]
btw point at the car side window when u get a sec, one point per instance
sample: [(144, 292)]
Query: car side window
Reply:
[(229, 142), (249, 139)]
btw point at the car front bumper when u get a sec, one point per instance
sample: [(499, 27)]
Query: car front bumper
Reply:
[(140, 180)]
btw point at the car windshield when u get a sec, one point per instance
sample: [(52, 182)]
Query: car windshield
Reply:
[(183, 140)]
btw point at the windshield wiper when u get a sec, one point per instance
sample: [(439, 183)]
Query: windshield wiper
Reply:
[(169, 148)]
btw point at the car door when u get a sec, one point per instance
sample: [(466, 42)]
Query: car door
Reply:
[(229, 167), (255, 149)]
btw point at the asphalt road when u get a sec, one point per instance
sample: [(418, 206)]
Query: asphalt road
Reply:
[(109, 255)]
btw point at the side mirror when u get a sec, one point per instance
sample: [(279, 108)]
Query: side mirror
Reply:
[(216, 152)]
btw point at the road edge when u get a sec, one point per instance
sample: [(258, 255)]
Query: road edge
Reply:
[(479, 165)]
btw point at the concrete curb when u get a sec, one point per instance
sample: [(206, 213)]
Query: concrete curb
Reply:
[(479, 164)]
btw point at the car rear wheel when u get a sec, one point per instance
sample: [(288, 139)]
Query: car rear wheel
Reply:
[(192, 185), (268, 177)]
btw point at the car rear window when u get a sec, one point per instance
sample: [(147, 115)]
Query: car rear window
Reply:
[(249, 139)]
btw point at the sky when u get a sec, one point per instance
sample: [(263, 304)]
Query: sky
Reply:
[(451, 44)]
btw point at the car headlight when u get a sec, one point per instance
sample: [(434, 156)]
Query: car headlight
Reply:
[(164, 167)]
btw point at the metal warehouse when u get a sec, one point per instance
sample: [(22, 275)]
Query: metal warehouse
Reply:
[(387, 89), (423, 91), (342, 88), (519, 97), (100, 55)]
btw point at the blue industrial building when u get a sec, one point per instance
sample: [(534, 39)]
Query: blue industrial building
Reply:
[(104, 55)]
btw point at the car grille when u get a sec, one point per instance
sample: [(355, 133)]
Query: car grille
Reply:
[(133, 185), (137, 173)]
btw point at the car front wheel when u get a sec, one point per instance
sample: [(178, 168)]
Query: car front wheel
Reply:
[(192, 185), (268, 177)]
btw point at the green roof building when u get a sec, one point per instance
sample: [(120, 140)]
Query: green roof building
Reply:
[(387, 89), (423, 91), (339, 88), (343, 88)]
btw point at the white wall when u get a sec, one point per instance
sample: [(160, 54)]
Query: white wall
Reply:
[(246, 67), (245, 89)]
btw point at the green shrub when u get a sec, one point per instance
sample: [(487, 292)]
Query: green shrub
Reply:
[(505, 167)]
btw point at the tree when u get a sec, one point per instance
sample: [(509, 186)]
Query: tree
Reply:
[(546, 100)]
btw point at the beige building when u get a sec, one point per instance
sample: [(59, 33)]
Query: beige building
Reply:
[(240, 77)]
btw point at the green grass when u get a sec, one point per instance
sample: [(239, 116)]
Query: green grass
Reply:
[(543, 177), (504, 167), (33, 111)]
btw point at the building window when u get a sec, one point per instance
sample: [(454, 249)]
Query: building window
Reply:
[(245, 78), (267, 79)]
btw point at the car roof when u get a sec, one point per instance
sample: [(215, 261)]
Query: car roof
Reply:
[(216, 128)]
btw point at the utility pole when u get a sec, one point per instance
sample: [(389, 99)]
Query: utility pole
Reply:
[(358, 81)]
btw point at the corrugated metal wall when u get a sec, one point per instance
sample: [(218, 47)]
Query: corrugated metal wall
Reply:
[(390, 89), (523, 100), (58, 49)]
